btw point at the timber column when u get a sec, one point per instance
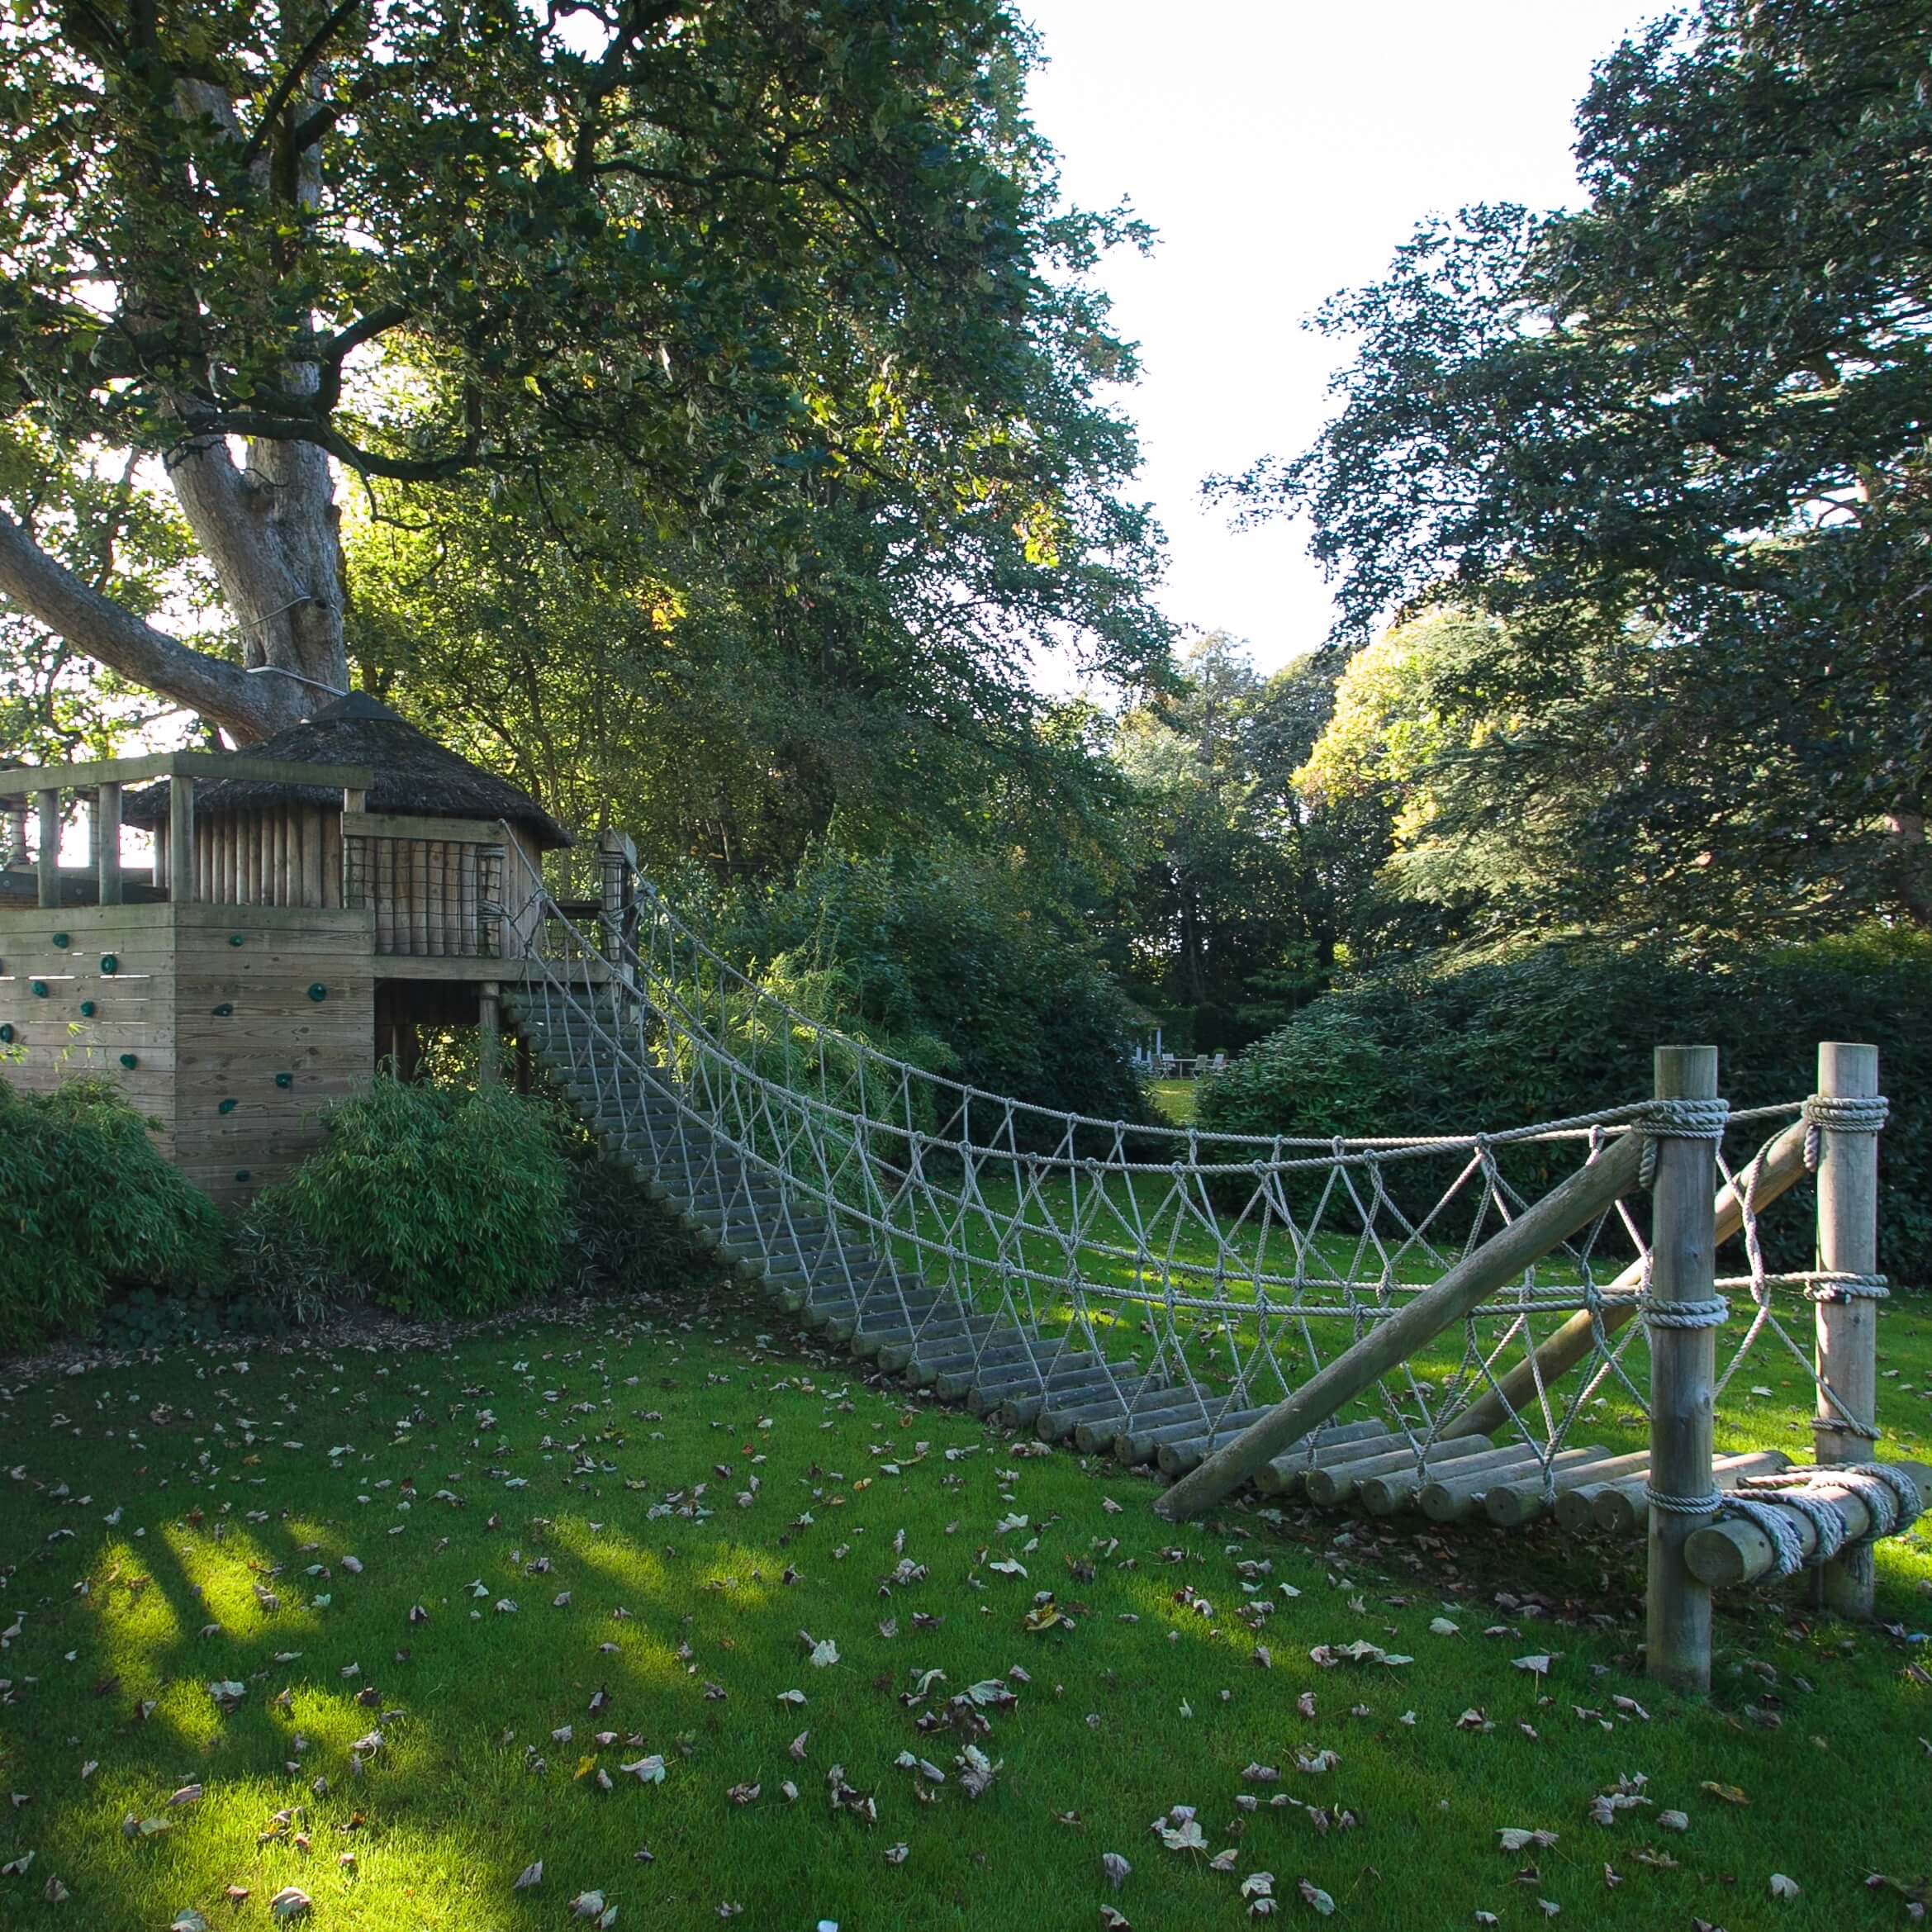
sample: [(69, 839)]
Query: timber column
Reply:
[(1681, 1312), (1848, 1114)]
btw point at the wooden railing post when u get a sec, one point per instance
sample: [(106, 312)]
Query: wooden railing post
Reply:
[(48, 856), (180, 839), (107, 842), (1683, 1363), (1847, 1324)]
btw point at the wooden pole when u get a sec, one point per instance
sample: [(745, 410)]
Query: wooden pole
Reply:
[(1847, 1330), (1781, 1167), (107, 840), (489, 1034), (49, 857), (1735, 1551), (180, 839), (1683, 1369), (1560, 1213)]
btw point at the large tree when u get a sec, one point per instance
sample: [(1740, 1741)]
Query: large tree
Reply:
[(735, 250), (1678, 440)]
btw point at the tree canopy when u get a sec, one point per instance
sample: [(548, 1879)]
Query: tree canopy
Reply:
[(724, 274), (1677, 442)]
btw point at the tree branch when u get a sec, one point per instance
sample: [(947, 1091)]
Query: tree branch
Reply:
[(46, 590), (285, 88)]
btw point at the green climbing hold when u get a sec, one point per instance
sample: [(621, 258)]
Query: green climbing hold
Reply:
[(40, 987), (238, 939), (226, 1107), (285, 1080), (6, 1035), (318, 992), (241, 1174), (60, 939), (109, 963), (130, 1061), (222, 1011), (87, 1009)]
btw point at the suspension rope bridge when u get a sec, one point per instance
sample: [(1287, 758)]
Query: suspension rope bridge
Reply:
[(1391, 1322)]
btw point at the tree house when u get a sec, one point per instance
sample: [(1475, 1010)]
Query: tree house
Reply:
[(311, 902)]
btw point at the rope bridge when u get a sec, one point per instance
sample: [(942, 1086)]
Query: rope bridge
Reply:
[(1172, 1296)]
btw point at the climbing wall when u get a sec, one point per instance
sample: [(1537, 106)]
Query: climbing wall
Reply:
[(227, 1025)]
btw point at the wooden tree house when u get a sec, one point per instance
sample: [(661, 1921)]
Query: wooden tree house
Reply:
[(311, 902)]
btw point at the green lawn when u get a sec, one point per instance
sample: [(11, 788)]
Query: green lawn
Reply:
[(1174, 1100), (673, 1504)]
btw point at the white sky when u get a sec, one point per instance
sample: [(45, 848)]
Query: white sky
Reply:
[(1284, 149)]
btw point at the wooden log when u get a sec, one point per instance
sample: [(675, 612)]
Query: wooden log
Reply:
[(1620, 1509), (1383, 1495), (1506, 1504), (1287, 1475), (1779, 1168), (1448, 1499), (332, 860), (47, 870), (1677, 1605), (489, 1034), (1846, 1331), (1732, 1551), (1179, 1454), (1328, 1486), (181, 841), (1575, 1203), (108, 843)]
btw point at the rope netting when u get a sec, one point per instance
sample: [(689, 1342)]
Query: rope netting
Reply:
[(1206, 1274)]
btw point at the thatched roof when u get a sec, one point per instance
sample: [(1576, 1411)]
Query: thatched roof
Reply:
[(413, 774)]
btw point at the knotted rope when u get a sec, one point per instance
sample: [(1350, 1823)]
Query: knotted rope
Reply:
[(1841, 1113), (1677, 1120), (1892, 1500)]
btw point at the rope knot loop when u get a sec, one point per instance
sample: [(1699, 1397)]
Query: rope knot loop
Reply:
[(1826, 1284), (1841, 1113), (1713, 1313), (1677, 1120)]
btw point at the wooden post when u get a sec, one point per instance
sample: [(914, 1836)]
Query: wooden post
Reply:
[(1847, 1330), (16, 807), (1575, 1203), (616, 859), (180, 839), (49, 852), (107, 840), (1683, 1362), (489, 1034)]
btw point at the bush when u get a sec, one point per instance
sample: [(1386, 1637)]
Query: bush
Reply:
[(87, 1207), (1568, 1027), (441, 1201)]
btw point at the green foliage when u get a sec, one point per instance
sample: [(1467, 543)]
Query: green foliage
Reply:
[(444, 1202), (1245, 889), (86, 1207), (948, 960), (1676, 440), (1568, 1027)]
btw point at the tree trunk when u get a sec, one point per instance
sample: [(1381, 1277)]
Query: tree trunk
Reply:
[(1914, 864)]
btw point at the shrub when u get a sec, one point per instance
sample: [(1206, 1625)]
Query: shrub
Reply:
[(88, 1207), (1568, 1027), (442, 1201)]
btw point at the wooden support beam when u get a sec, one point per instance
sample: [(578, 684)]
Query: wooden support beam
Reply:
[(212, 765), (48, 856), (181, 841), (1778, 1168), (1619, 1509), (1733, 1551), (107, 842), (1575, 1203), (490, 1034), (1683, 1264), (1846, 1331)]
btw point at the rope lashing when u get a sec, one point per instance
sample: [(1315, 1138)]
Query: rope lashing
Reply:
[(1826, 1284), (1706, 1314), (1683, 1505), (1677, 1120), (1841, 1113), (1892, 1500)]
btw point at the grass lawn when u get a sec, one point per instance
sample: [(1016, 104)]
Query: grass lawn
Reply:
[(681, 1501), (1174, 1100)]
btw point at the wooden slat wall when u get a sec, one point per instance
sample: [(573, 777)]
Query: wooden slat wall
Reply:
[(427, 894), (281, 856)]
